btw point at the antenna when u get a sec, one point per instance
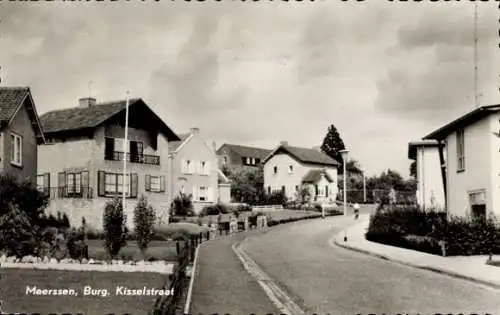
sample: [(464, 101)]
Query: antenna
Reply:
[(476, 92)]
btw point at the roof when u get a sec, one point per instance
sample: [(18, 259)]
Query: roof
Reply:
[(173, 145), (412, 147), (463, 121), (78, 118), (245, 151), (11, 99), (314, 176), (305, 155)]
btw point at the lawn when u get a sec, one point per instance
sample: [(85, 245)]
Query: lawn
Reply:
[(158, 250), (14, 297)]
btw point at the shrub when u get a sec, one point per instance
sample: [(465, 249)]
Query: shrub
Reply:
[(76, 244), (114, 226), (243, 208), (214, 209), (182, 205), (144, 220), (17, 234)]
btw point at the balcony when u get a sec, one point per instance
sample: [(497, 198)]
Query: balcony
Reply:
[(78, 192), (133, 158)]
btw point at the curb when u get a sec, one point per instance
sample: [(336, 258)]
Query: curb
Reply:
[(279, 298), (427, 268), (191, 282)]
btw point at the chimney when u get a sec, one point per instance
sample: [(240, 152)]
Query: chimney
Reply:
[(86, 102), (284, 143), (194, 130)]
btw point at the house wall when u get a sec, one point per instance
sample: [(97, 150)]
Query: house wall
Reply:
[(478, 167), (430, 191), (495, 162), (21, 125), (88, 155), (224, 193), (290, 181), (196, 150)]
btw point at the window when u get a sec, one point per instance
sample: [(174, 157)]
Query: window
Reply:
[(460, 150), (203, 167), (155, 183), (187, 167), (249, 161), (203, 193), (326, 191), (43, 182), (16, 145), (290, 169), (283, 190), (136, 152), (297, 188), (73, 183), (225, 160), (269, 189), (114, 184), (257, 161), (275, 170)]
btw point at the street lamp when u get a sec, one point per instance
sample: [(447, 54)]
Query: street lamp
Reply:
[(344, 153)]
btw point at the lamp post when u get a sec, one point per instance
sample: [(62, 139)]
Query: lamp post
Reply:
[(125, 140), (344, 153)]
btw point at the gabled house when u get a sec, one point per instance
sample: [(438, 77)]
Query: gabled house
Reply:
[(194, 169), (20, 133), (471, 170), (81, 163), (237, 157), (290, 169), (430, 191)]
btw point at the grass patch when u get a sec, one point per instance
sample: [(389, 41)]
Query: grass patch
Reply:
[(16, 300), (157, 250)]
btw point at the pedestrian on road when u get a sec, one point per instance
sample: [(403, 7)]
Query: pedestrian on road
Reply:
[(356, 211)]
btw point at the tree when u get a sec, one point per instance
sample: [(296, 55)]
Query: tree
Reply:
[(182, 205), (115, 228), (247, 184), (352, 167), (144, 220), (413, 169), (16, 232), (333, 144)]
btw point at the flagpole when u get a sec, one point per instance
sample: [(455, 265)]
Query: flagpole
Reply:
[(125, 141)]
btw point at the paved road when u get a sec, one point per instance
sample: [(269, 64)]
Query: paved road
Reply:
[(330, 280)]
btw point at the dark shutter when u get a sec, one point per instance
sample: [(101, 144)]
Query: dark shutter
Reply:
[(61, 184), (162, 183), (109, 148), (326, 191), (133, 152), (148, 183), (46, 183), (316, 190), (84, 183), (133, 185), (101, 182)]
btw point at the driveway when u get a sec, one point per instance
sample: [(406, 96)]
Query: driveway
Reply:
[(327, 279)]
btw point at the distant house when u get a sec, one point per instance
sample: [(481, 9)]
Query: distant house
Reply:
[(237, 157), (471, 171), (20, 133), (194, 169), (82, 162), (289, 168), (430, 191)]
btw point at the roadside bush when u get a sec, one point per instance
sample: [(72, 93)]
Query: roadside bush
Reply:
[(60, 222), (243, 208), (182, 205), (214, 209), (17, 234), (144, 220), (114, 227), (76, 244)]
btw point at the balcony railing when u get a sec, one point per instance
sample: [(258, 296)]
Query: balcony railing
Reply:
[(133, 158), (78, 192)]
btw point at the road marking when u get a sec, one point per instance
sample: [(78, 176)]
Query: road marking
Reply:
[(283, 302)]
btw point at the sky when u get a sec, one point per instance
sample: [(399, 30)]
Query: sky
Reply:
[(257, 73)]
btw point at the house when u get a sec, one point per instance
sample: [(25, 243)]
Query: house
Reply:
[(81, 163), (194, 170), (430, 192), (289, 168), (237, 157), (471, 171), (20, 133)]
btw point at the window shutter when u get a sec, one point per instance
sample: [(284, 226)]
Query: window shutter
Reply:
[(148, 183), (101, 181), (162, 183), (61, 184), (207, 168), (133, 185), (46, 180)]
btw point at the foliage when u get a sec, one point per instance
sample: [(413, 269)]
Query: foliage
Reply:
[(333, 144), (60, 222), (182, 205), (413, 228), (17, 234), (214, 209), (304, 194), (23, 195), (114, 227), (277, 197), (144, 220), (247, 185), (77, 244), (352, 167)]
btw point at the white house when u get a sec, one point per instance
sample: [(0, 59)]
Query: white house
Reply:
[(430, 190), (289, 168), (472, 144)]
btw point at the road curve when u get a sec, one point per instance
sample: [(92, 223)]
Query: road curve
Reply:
[(327, 279)]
